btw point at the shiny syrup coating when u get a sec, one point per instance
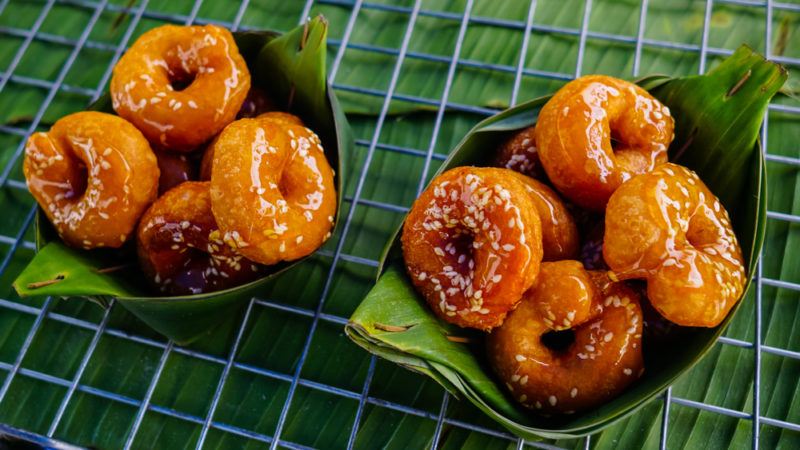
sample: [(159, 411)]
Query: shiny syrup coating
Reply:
[(180, 85), (604, 358), (272, 190), (472, 244), (560, 238), (175, 168), (667, 228), (279, 117), (93, 174), (519, 154), (598, 131), (180, 247)]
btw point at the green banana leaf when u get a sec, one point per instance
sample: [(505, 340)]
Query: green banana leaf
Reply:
[(292, 68), (718, 116)]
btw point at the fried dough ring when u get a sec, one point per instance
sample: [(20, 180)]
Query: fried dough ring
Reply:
[(667, 228), (93, 174), (560, 238), (180, 246), (272, 190), (604, 357), (519, 154), (472, 244), (575, 130), (148, 89)]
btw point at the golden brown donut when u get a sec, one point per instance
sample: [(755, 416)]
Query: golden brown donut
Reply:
[(519, 154), (180, 85), (472, 244), (667, 228), (279, 117), (595, 362), (598, 131), (272, 190), (560, 238), (93, 174), (180, 247)]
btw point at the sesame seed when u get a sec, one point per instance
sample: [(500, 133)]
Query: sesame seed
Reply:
[(608, 337), (524, 380), (553, 400), (438, 251), (520, 358), (514, 378), (573, 392), (627, 371), (523, 397), (422, 276), (282, 248), (538, 405)]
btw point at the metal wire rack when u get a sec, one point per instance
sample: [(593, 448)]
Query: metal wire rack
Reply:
[(317, 315)]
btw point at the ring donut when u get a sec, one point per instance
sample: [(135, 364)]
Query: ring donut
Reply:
[(93, 174), (180, 85), (596, 360), (519, 154), (598, 131), (472, 244), (667, 228), (272, 190), (560, 238), (279, 117), (180, 247)]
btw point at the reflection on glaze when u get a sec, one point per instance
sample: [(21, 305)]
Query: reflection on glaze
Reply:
[(180, 85), (272, 189), (668, 228), (93, 174), (472, 244), (181, 249), (559, 233), (597, 132), (602, 359)]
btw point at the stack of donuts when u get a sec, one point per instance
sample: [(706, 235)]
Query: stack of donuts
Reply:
[(197, 168), (556, 251)]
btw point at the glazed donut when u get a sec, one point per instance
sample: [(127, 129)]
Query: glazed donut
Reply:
[(472, 244), (272, 190), (667, 228), (93, 174), (180, 247), (560, 238), (175, 168), (598, 131), (281, 118), (180, 85), (594, 362), (519, 154)]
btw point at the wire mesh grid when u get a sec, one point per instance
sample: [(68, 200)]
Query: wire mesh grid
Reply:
[(371, 146)]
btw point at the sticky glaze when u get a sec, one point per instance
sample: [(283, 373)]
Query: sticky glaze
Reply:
[(604, 358), (597, 132), (93, 174), (560, 238), (272, 190), (472, 245), (207, 58), (667, 228), (180, 247)]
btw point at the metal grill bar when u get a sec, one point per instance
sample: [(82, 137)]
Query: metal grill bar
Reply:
[(442, 105), (351, 213)]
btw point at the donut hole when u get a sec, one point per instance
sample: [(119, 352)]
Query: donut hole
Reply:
[(558, 341), (179, 79), (617, 143), (78, 181), (463, 245)]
